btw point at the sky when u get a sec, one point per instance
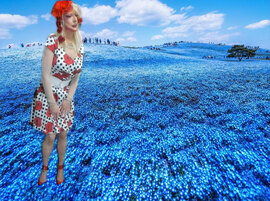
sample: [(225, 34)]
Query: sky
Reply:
[(144, 22)]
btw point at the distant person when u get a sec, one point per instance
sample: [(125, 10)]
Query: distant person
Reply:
[(118, 44), (52, 110), (22, 45)]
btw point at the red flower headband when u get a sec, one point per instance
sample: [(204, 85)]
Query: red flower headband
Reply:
[(59, 8)]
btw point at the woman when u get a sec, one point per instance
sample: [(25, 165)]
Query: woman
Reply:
[(52, 107)]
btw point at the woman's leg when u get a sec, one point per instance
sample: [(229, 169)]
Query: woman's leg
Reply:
[(61, 149), (47, 147)]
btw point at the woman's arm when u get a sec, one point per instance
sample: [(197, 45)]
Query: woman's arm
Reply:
[(46, 70), (73, 86)]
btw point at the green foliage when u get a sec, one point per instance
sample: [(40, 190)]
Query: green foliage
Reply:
[(241, 51)]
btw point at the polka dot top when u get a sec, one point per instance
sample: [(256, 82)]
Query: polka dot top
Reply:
[(63, 66)]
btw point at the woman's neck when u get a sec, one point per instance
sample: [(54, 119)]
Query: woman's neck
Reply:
[(69, 36)]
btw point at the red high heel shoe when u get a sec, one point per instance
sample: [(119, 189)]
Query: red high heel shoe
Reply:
[(43, 168), (59, 167)]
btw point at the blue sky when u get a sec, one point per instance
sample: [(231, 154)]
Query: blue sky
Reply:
[(144, 22)]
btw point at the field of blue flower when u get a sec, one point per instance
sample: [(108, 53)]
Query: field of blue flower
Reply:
[(149, 125)]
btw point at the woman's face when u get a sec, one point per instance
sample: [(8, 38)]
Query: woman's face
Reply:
[(71, 21)]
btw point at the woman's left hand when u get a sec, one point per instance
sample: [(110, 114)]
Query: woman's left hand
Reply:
[(65, 108)]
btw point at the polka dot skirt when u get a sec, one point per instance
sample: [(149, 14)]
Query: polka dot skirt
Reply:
[(63, 68)]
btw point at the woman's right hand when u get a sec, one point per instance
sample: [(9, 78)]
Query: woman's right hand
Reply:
[(55, 111)]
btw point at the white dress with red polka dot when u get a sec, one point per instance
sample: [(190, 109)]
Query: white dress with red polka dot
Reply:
[(64, 68)]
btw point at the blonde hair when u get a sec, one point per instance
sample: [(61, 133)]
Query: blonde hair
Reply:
[(77, 35)]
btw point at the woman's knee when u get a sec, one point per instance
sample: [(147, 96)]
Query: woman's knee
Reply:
[(50, 138), (62, 135)]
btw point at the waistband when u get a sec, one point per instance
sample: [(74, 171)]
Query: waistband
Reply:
[(55, 82)]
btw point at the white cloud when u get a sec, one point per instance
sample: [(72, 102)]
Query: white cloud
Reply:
[(257, 25), (120, 39), (4, 33), (106, 33), (178, 18), (84, 34), (8, 21), (98, 14), (128, 33), (144, 12), (232, 27), (157, 37), (16, 21), (217, 37), (187, 8), (174, 34), (178, 29), (46, 16), (131, 39), (210, 21), (134, 12)]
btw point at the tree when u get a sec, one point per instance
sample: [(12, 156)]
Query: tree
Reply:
[(241, 51)]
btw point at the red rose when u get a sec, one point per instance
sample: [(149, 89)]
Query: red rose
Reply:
[(61, 7), (77, 71), (69, 123), (54, 60), (80, 20), (37, 121), (39, 89), (53, 46), (68, 59), (55, 97), (48, 127), (61, 130), (61, 38), (66, 89), (65, 74), (48, 113), (58, 75), (61, 75), (38, 105)]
